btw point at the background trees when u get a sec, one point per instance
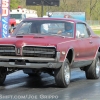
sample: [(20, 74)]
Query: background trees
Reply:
[(14, 4), (90, 7)]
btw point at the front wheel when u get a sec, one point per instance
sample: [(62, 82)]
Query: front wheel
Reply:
[(93, 71), (3, 73), (62, 75)]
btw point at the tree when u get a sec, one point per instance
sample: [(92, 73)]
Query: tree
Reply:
[(92, 6), (14, 4)]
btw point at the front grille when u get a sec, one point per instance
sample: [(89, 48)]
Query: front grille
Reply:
[(31, 51), (7, 50)]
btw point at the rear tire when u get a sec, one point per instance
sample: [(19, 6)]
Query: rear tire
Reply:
[(3, 73), (62, 75), (93, 71)]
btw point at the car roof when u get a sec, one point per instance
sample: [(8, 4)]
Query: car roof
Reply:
[(59, 19)]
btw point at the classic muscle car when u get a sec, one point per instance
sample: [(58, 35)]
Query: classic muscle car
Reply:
[(51, 45)]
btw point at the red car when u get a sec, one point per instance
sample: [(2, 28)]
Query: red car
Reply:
[(52, 45)]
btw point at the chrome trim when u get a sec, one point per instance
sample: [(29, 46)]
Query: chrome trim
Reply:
[(26, 58), (38, 46), (8, 44), (27, 45), (31, 65), (21, 48), (20, 51), (58, 56), (41, 52), (38, 59), (35, 46), (7, 51)]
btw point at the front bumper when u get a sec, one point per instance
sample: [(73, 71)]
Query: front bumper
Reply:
[(34, 62), (31, 65)]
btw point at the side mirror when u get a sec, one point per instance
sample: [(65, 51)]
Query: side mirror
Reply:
[(82, 35)]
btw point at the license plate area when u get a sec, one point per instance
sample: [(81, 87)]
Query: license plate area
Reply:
[(20, 62)]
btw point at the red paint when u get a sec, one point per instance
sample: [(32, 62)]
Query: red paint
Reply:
[(83, 48)]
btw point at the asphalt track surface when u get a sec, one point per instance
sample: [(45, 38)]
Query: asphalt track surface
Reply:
[(19, 86)]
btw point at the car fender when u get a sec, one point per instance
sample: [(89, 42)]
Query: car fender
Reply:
[(97, 53), (70, 55), (64, 53)]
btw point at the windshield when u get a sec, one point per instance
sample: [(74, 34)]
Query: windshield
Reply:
[(16, 16), (45, 27)]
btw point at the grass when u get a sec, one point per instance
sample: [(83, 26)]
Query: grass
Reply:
[(97, 32)]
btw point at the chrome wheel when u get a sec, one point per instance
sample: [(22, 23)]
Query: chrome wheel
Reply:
[(93, 71), (98, 67), (62, 75), (67, 74)]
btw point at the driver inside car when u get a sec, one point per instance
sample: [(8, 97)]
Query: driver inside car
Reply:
[(68, 30)]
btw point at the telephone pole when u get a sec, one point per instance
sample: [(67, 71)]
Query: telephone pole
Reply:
[(42, 7)]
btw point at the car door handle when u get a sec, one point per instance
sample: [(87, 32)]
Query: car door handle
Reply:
[(90, 42)]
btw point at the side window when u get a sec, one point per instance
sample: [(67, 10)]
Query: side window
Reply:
[(81, 31)]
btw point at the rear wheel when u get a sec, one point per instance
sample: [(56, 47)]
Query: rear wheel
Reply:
[(3, 73), (93, 71), (62, 75)]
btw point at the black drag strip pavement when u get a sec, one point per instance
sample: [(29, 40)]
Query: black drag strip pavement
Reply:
[(19, 86)]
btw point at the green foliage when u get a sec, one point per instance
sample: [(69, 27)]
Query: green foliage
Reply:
[(14, 4), (90, 7), (97, 32)]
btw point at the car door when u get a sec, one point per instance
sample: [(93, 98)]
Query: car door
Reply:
[(86, 47)]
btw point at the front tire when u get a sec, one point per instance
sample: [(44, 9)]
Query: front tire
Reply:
[(62, 75), (93, 71), (3, 73)]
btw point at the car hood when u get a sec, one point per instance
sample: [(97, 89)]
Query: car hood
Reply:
[(34, 40)]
